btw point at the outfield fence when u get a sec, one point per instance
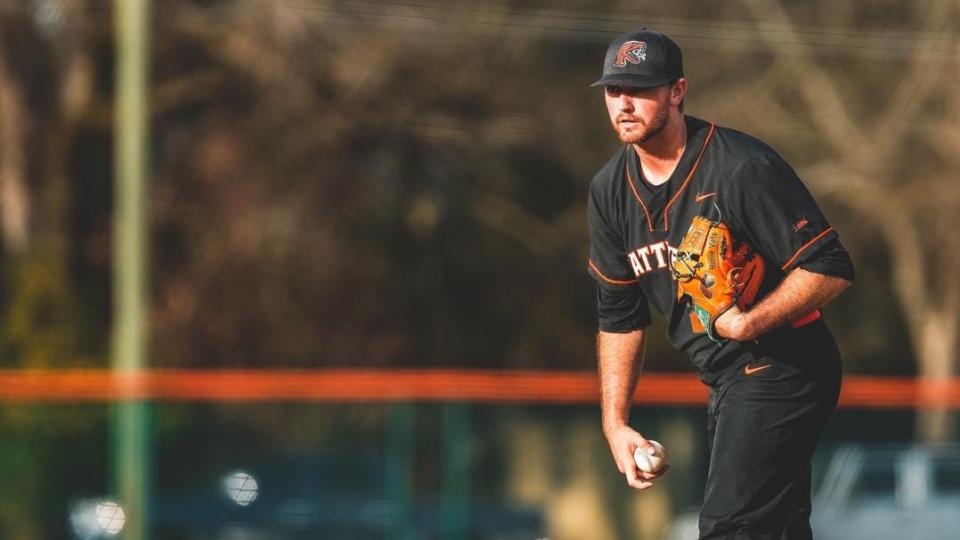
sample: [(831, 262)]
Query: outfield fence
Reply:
[(430, 385)]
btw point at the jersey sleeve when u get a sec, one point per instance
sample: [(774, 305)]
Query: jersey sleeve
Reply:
[(608, 258), (621, 309), (833, 260), (621, 305), (782, 221)]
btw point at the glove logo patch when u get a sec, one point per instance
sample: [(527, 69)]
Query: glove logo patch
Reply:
[(706, 286)]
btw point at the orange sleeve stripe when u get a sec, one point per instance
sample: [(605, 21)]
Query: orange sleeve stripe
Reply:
[(805, 246), (608, 279)]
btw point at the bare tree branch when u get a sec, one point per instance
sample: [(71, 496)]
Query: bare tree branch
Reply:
[(827, 107)]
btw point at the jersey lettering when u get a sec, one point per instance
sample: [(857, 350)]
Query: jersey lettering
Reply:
[(658, 250), (643, 252), (640, 259), (636, 264)]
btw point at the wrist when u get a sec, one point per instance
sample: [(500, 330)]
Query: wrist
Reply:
[(737, 324), (612, 426), (746, 326)]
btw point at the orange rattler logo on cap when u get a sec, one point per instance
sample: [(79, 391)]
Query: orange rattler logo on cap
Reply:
[(631, 51)]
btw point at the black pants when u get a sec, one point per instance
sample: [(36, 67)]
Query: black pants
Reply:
[(766, 413)]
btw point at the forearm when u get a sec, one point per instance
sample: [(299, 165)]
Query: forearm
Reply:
[(619, 360), (797, 295)]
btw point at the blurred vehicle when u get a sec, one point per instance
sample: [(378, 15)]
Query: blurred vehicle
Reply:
[(877, 493), (889, 492), (329, 494)]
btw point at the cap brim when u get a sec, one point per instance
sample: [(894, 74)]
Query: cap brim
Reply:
[(631, 80)]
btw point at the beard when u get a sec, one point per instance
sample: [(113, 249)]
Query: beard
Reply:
[(645, 131)]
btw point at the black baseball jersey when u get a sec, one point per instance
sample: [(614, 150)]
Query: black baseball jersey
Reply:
[(723, 174)]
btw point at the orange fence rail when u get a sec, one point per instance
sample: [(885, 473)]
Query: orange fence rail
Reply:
[(437, 385)]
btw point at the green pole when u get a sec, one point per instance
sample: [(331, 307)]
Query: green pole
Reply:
[(401, 435), (131, 435), (457, 448)]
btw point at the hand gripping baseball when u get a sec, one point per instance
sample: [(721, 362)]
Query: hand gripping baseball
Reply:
[(714, 272), (625, 443)]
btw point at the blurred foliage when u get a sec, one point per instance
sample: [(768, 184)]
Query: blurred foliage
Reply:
[(357, 183)]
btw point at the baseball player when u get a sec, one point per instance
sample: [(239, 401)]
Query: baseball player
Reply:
[(772, 366)]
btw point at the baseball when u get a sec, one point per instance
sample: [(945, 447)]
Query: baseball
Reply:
[(650, 462)]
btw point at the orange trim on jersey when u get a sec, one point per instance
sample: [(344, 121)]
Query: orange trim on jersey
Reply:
[(666, 210), (805, 246), (639, 200), (607, 279)]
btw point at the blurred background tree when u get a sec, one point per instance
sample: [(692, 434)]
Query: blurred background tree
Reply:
[(358, 183)]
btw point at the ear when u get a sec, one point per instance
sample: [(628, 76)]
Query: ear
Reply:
[(678, 91)]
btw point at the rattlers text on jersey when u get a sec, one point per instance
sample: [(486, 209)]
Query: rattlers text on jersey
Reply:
[(723, 174)]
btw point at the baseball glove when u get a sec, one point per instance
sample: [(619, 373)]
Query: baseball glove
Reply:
[(714, 272)]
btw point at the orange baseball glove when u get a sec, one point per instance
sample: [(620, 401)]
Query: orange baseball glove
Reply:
[(714, 272)]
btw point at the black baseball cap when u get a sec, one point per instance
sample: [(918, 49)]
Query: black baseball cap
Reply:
[(641, 59)]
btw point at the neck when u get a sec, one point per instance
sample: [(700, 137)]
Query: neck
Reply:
[(659, 156)]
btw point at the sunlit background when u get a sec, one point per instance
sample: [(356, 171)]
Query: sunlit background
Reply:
[(279, 269)]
